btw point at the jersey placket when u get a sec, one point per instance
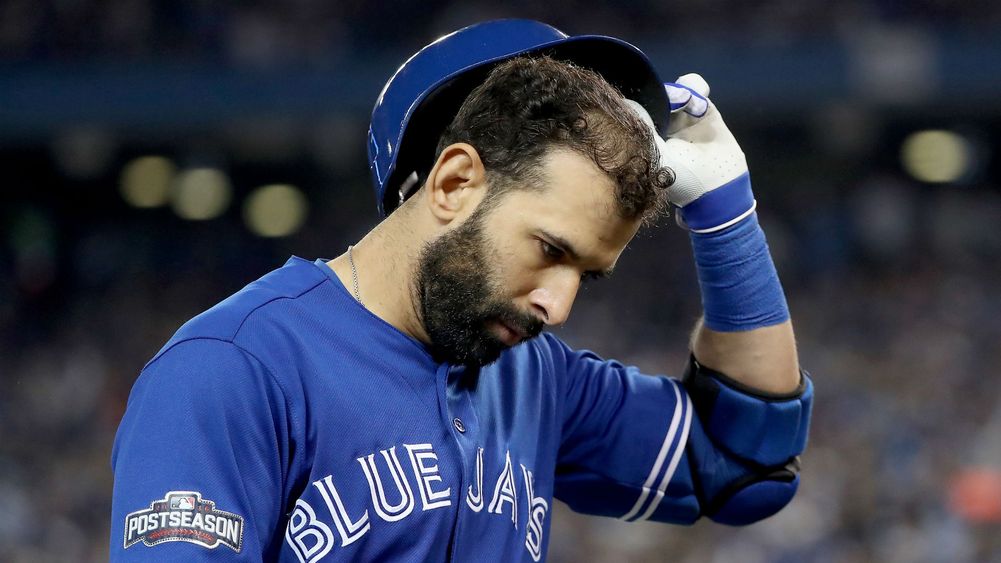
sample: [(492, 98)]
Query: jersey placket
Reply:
[(464, 428)]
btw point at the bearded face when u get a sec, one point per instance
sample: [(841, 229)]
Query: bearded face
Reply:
[(461, 299)]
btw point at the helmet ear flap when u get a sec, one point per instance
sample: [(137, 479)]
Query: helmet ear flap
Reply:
[(418, 144)]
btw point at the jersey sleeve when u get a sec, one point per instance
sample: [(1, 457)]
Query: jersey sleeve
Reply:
[(623, 449), (635, 447), (200, 458)]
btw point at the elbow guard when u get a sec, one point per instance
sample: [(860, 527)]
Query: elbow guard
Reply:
[(762, 433)]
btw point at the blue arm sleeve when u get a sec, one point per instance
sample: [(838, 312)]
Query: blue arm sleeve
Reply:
[(200, 459)]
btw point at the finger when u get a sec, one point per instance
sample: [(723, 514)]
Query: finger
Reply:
[(678, 95), (685, 99), (678, 155), (696, 83)]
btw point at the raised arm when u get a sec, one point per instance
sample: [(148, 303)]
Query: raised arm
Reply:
[(752, 400), (745, 332)]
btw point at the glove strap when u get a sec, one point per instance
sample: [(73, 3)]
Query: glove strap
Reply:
[(740, 287)]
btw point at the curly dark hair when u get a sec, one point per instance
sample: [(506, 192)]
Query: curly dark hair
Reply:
[(531, 104)]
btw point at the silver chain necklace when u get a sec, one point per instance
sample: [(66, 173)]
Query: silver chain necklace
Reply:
[(354, 275)]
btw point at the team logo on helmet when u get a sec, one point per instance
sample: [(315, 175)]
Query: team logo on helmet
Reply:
[(184, 516)]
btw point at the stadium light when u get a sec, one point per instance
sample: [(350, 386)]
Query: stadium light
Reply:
[(276, 210), (200, 194), (145, 181), (936, 156)]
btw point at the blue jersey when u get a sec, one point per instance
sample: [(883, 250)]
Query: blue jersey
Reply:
[(288, 423)]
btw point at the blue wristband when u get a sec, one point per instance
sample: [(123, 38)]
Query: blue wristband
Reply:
[(740, 287)]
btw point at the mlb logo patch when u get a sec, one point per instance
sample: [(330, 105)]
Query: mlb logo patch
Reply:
[(182, 503), (184, 516)]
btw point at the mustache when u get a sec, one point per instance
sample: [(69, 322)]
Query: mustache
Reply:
[(525, 323)]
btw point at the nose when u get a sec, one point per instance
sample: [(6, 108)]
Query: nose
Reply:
[(554, 300)]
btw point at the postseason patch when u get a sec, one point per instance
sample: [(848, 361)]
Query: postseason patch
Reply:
[(184, 516)]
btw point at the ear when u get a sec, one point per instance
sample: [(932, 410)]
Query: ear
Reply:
[(456, 184)]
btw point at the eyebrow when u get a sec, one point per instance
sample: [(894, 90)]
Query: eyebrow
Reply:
[(567, 247)]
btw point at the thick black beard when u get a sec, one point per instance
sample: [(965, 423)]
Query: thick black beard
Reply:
[(457, 294)]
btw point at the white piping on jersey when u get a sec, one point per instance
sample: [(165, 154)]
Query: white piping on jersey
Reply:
[(662, 487), (664, 450)]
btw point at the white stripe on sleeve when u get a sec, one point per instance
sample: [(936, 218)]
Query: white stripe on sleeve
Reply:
[(662, 486), (662, 455)]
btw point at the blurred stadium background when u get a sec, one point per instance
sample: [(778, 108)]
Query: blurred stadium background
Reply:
[(156, 156)]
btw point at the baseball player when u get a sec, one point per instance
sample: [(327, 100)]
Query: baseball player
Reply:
[(400, 402)]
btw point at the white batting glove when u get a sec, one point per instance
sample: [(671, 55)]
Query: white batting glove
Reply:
[(712, 186)]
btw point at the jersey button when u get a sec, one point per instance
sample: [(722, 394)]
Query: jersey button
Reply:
[(457, 422)]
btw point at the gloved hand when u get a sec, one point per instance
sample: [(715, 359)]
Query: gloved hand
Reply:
[(712, 186)]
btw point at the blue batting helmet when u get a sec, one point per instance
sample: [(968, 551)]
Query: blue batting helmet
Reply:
[(425, 93)]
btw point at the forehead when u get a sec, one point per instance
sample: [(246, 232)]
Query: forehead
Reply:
[(576, 202)]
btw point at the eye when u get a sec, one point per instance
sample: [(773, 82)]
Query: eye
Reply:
[(551, 252), (590, 276)]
